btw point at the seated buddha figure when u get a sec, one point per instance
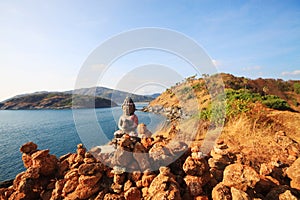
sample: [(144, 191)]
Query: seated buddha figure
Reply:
[(128, 121)]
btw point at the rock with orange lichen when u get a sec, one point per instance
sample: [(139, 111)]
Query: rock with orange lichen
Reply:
[(46, 163), (240, 176), (164, 186), (195, 183), (189, 175), (28, 147), (195, 167), (293, 172), (133, 194), (147, 178), (26, 160), (221, 192)]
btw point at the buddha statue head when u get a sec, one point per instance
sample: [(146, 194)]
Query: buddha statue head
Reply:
[(128, 106)]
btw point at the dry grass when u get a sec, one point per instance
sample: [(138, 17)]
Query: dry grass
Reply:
[(251, 134)]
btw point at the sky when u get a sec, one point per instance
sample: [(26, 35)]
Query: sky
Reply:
[(44, 44)]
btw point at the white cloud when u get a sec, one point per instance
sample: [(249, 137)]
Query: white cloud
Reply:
[(252, 68), (293, 73)]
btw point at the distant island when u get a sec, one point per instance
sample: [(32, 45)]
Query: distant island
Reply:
[(54, 100), (83, 98)]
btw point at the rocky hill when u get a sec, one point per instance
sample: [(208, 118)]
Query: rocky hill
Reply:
[(115, 95), (266, 91), (252, 111), (54, 100), (105, 97)]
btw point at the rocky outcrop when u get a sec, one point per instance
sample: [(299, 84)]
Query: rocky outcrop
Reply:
[(290, 146), (164, 186), (240, 177), (172, 113), (192, 175), (293, 173)]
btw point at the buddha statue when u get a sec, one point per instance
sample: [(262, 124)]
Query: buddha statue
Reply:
[(128, 122)]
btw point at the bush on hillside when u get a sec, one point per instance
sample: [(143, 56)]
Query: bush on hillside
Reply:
[(275, 102), (297, 88), (237, 102)]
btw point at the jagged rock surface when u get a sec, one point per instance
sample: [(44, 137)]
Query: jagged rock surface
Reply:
[(192, 175)]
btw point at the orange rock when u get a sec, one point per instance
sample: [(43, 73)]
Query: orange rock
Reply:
[(110, 196), (26, 160), (81, 150), (139, 184), (287, 195), (221, 192), (240, 176), (128, 184), (71, 159), (70, 186), (89, 180), (101, 195), (133, 194), (117, 188), (57, 192), (90, 169), (28, 147), (195, 167), (164, 185), (144, 191), (293, 172), (71, 182), (201, 198), (135, 176), (63, 166), (238, 194), (195, 183), (17, 180), (89, 160), (147, 179), (146, 142), (32, 173), (40, 154), (17, 195), (119, 178), (46, 163), (84, 192)]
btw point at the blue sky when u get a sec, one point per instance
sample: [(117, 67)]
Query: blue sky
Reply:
[(43, 44)]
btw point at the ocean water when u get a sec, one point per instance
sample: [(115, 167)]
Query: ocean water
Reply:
[(56, 130)]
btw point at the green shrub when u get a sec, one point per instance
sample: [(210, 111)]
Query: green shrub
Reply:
[(199, 86), (237, 102), (216, 113), (297, 88), (275, 102), (185, 90)]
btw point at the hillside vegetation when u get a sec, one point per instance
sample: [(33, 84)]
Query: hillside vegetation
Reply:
[(251, 112)]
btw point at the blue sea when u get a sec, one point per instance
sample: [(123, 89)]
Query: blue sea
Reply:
[(56, 130)]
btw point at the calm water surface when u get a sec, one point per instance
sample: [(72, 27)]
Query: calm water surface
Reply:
[(54, 130)]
